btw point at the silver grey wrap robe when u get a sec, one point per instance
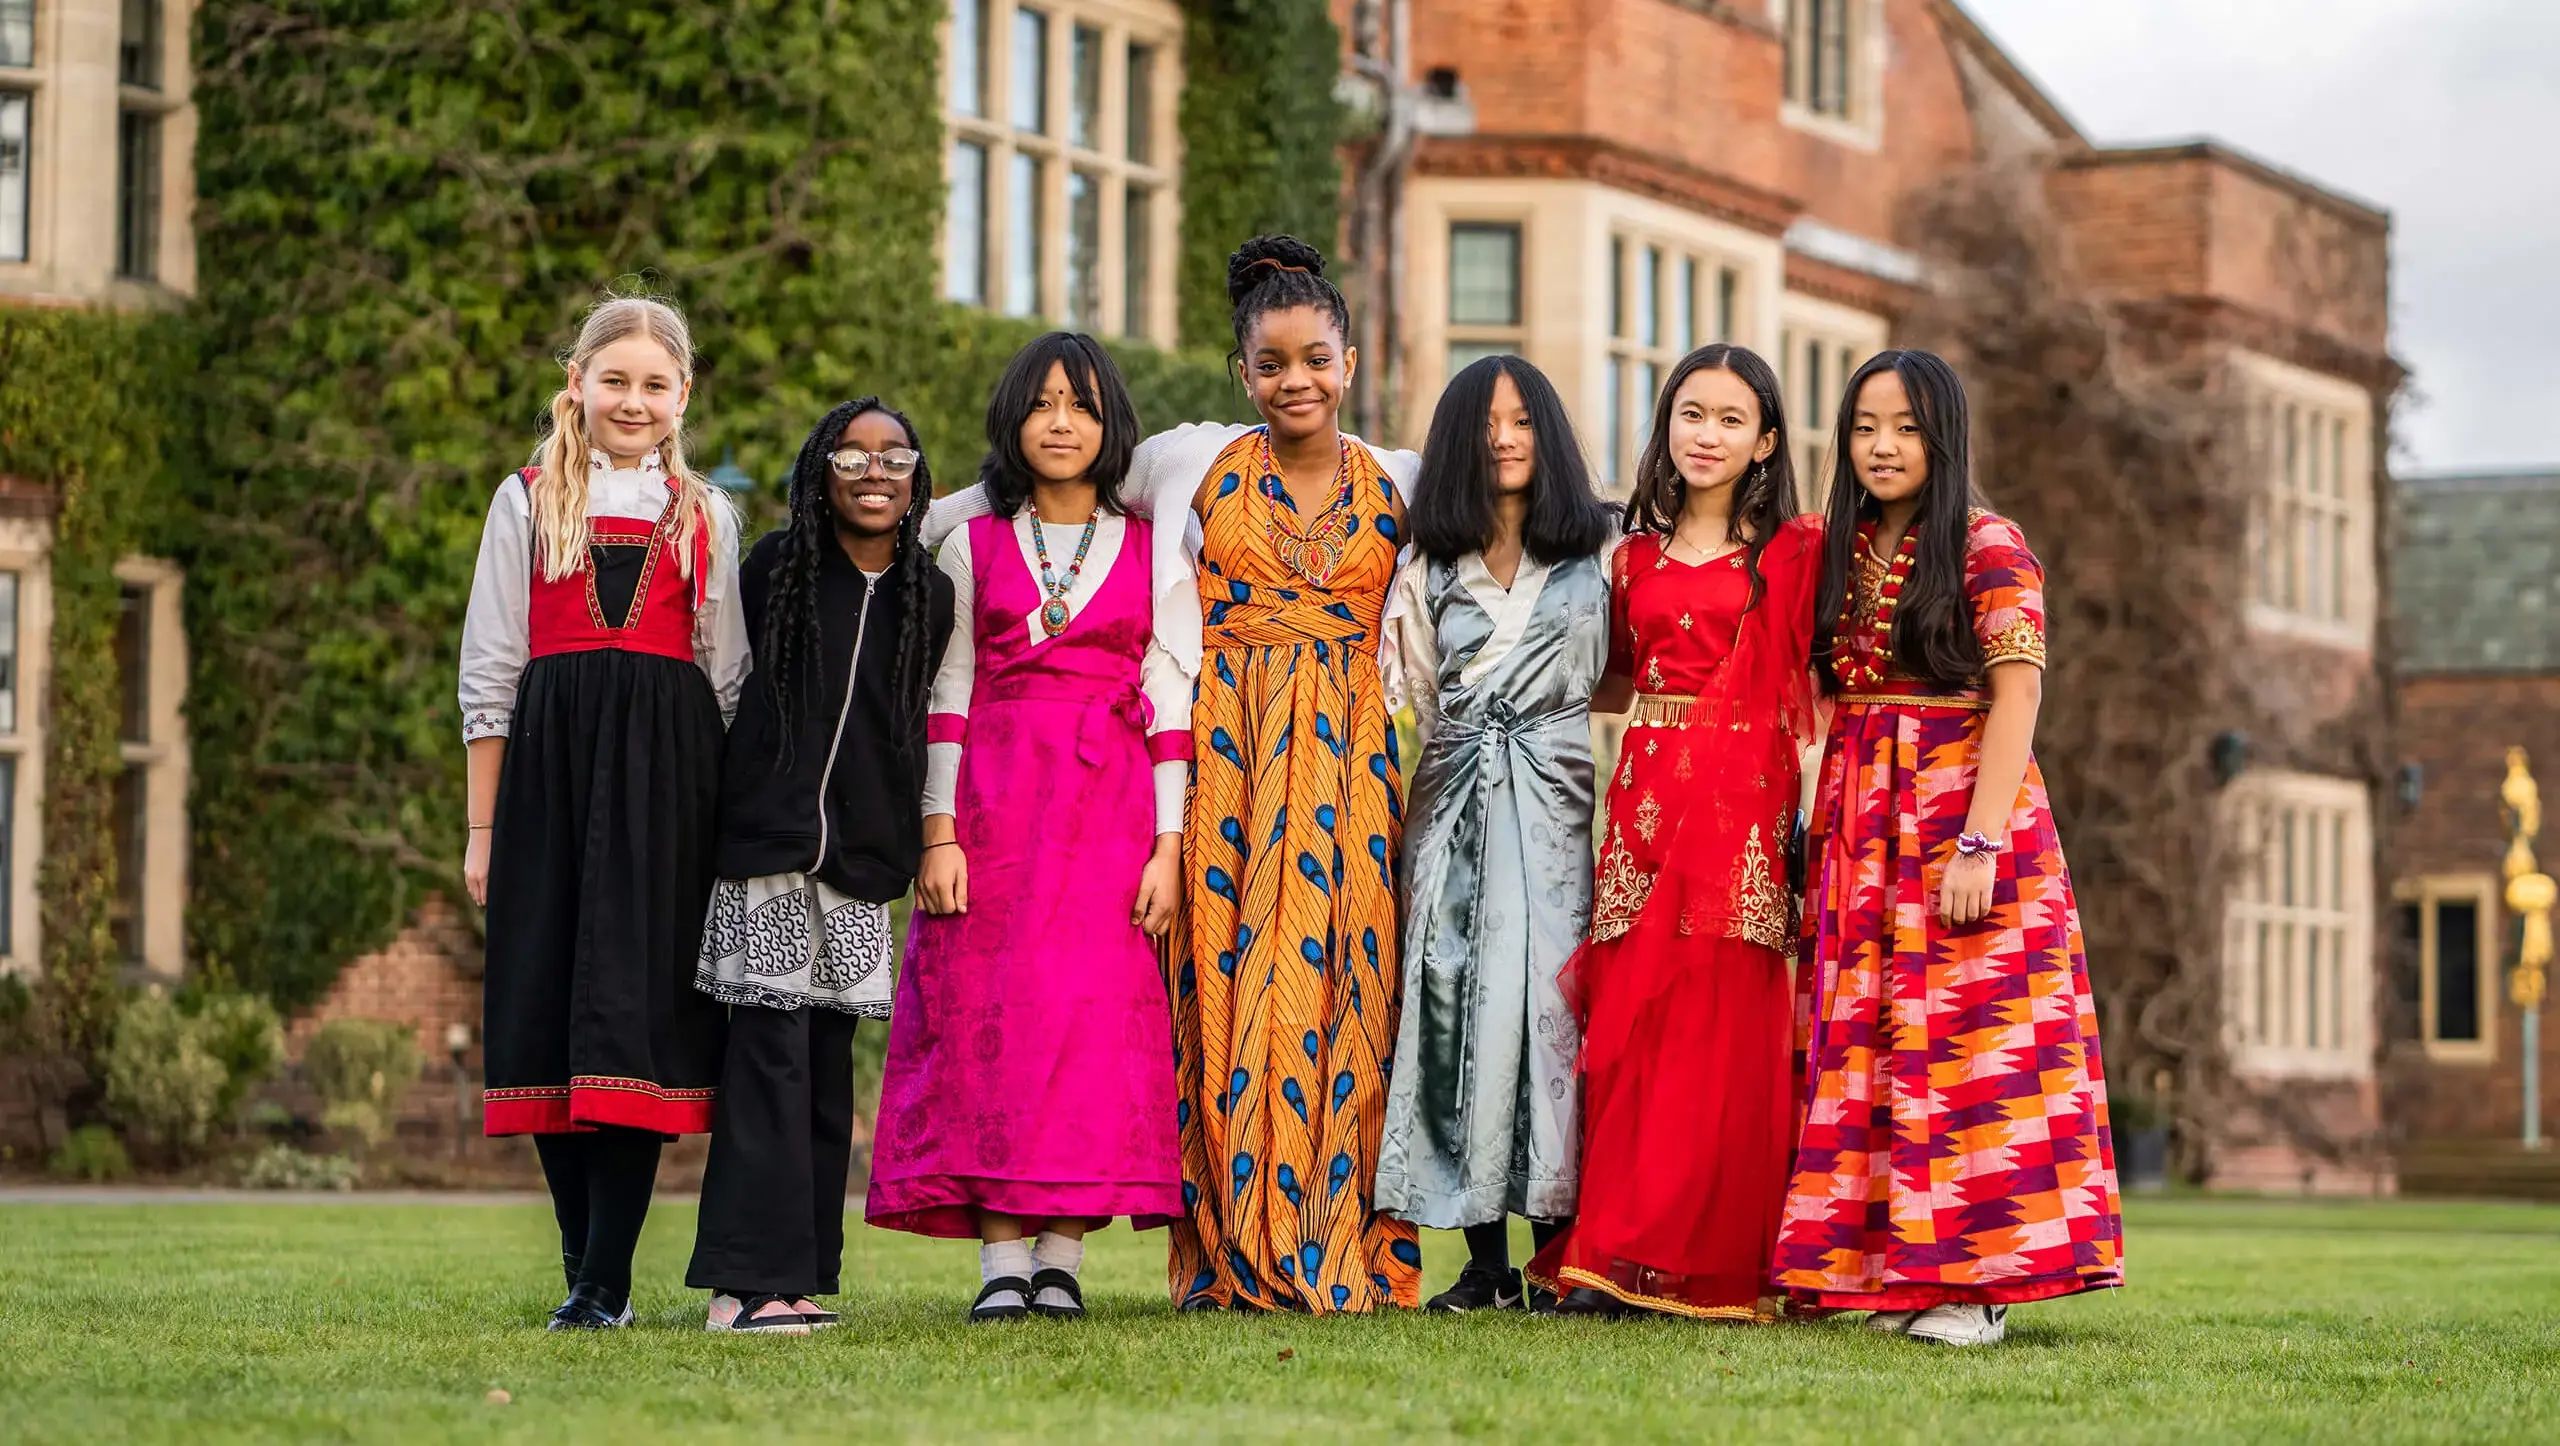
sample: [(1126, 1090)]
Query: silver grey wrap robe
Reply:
[(1497, 872)]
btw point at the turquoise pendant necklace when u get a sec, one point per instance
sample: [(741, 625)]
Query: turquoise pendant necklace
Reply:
[(1053, 613)]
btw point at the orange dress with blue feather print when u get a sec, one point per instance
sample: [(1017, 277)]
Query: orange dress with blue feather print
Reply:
[(1286, 984)]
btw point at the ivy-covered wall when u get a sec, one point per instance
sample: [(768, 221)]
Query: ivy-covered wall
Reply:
[(403, 207), (1259, 131), (89, 403)]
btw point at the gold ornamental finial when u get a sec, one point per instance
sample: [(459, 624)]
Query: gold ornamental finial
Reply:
[(2530, 892)]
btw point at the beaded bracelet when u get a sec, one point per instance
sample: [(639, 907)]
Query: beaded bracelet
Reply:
[(1975, 846)]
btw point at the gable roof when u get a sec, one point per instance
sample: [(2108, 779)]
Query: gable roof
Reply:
[(2475, 572)]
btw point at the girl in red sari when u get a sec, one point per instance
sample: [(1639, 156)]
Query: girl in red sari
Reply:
[(1682, 992), (1955, 1157)]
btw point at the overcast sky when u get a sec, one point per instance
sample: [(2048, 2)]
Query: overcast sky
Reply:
[(2445, 112)]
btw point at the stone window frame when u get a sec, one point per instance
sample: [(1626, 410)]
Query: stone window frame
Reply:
[(2425, 892), (26, 551), (162, 754), (2309, 568), (1854, 115), (2298, 943), (1470, 341), (1146, 312), (1651, 270), (1843, 339)]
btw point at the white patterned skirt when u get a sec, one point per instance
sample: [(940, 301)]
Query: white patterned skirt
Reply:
[(787, 941)]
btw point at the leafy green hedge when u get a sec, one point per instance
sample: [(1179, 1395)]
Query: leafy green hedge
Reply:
[(1259, 127), (88, 402)]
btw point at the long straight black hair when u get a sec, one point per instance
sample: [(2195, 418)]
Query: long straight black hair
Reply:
[(1765, 495), (1932, 626), (787, 654), (1451, 514), (1006, 472)]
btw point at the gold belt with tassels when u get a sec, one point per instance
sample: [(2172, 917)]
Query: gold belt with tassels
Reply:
[(1661, 710)]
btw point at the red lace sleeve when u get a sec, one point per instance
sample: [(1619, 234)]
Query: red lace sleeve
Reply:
[(2004, 585)]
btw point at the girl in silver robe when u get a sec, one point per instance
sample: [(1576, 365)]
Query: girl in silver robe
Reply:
[(1497, 632)]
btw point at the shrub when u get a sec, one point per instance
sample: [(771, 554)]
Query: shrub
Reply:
[(361, 1068), (163, 1086), (282, 1167), (243, 1032), (91, 1153)]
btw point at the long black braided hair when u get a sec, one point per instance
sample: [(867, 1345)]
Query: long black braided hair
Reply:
[(787, 654)]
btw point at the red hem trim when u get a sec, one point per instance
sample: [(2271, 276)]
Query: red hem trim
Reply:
[(1170, 747), (591, 1100)]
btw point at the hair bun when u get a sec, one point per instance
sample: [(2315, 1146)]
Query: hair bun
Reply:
[(1256, 260)]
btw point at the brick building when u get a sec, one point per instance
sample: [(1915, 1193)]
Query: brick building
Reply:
[(1602, 184), (2476, 614)]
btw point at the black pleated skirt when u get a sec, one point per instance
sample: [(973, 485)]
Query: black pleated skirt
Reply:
[(600, 869)]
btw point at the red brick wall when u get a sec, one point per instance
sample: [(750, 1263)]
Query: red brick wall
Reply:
[(1700, 84), (2458, 727), (428, 977)]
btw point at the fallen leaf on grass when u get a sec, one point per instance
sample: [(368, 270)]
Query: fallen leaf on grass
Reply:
[(1289, 1355), (498, 1396)]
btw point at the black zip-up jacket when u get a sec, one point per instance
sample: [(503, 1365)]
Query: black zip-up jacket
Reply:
[(869, 838)]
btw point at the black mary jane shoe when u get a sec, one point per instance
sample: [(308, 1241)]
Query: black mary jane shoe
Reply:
[(981, 1312), (1591, 1304), (1052, 1278), (591, 1308), (1479, 1287)]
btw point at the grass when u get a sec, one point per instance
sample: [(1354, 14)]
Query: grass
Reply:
[(2245, 1321)]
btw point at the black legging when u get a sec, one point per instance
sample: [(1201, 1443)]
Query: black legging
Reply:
[(600, 1182), (1490, 1243)]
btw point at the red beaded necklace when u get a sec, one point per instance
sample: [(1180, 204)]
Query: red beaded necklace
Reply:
[(1866, 665)]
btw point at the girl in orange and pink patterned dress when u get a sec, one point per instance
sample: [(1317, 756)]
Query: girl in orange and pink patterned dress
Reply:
[(1954, 1157)]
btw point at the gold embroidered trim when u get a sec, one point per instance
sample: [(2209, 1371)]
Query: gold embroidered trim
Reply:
[(1764, 1313), (1619, 893), (1648, 817), (2020, 642), (1661, 710), (1919, 700), (1759, 902)]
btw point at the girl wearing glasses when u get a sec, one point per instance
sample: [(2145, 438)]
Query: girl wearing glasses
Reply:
[(1029, 1089), (820, 831)]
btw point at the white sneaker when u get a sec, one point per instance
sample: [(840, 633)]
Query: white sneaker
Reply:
[(1891, 1322), (1961, 1325)]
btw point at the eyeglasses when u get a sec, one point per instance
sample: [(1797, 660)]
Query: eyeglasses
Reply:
[(853, 464)]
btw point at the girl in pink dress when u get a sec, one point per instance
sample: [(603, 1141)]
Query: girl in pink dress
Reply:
[(1029, 1087)]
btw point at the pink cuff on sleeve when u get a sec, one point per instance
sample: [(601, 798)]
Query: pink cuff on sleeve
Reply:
[(946, 728), (1171, 746)]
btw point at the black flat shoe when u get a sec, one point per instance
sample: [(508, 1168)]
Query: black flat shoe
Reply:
[(591, 1308), (1199, 1305), (1582, 1300), (1479, 1287), (981, 1312), (1052, 1278)]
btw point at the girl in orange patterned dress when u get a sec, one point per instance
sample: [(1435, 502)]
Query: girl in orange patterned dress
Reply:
[(1682, 991), (1955, 1158), (1285, 979)]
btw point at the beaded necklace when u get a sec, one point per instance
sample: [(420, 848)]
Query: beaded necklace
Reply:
[(1053, 613), (1866, 666), (1315, 553)]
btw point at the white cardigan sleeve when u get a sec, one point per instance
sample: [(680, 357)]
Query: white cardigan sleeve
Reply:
[(720, 626), (497, 626)]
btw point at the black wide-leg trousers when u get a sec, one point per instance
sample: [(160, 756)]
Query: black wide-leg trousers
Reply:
[(781, 1146)]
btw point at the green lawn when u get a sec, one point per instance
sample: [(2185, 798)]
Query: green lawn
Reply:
[(2245, 1322)]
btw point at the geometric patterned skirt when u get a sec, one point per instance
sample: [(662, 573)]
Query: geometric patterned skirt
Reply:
[(788, 941), (1952, 1104)]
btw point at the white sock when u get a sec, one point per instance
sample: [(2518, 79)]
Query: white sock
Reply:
[(1057, 1252), (1000, 1258)]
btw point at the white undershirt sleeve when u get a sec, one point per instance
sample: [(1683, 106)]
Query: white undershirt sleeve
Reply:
[(952, 685), (720, 627), (497, 626), (1415, 641)]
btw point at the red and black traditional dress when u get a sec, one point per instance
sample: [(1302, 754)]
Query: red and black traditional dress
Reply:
[(1955, 1147), (610, 686), (1683, 989)]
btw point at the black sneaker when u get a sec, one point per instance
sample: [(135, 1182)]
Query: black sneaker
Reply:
[(1479, 1287)]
